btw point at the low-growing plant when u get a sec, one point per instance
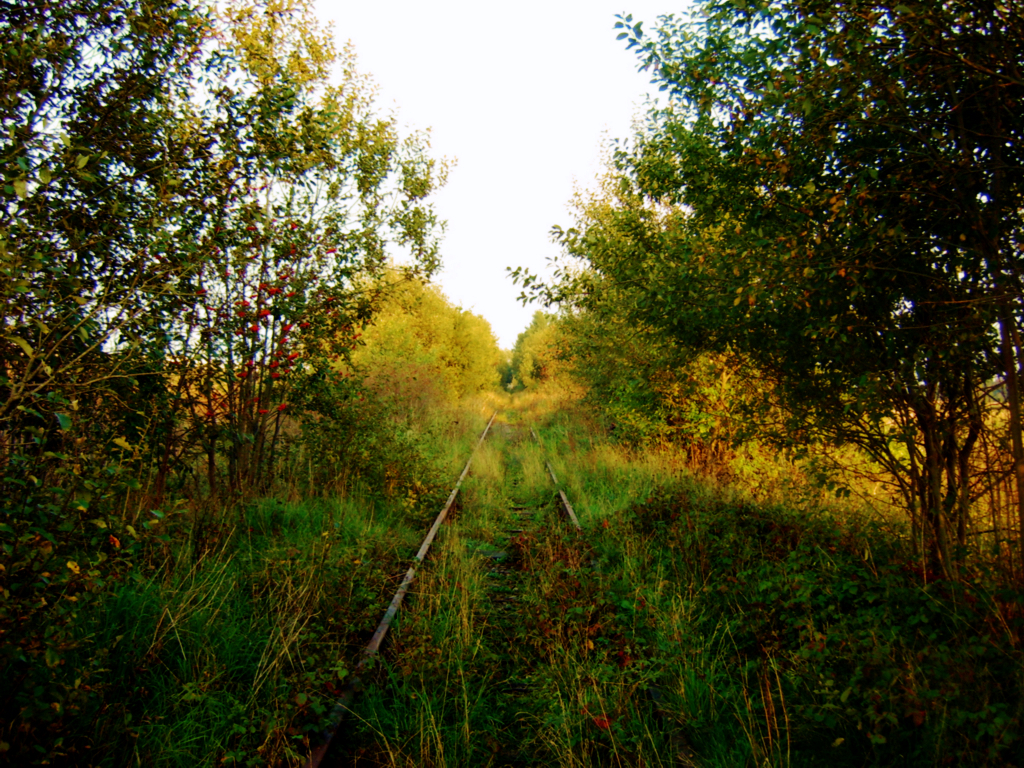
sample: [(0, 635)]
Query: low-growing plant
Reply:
[(830, 642)]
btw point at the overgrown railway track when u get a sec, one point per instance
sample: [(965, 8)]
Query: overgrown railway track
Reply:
[(372, 648), (500, 618)]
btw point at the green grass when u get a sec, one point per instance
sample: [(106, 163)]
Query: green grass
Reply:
[(232, 656), (771, 635), (223, 634), (690, 624), (470, 681)]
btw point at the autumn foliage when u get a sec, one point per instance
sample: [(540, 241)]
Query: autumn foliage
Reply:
[(200, 202)]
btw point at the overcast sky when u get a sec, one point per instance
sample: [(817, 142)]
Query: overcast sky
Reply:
[(522, 95)]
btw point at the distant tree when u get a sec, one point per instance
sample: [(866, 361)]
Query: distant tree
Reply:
[(423, 349), (505, 373), (533, 351)]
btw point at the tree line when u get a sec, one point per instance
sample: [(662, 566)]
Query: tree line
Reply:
[(190, 199), (201, 210), (815, 238)]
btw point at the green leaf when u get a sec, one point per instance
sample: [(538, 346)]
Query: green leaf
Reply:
[(64, 420), (25, 346), (21, 188)]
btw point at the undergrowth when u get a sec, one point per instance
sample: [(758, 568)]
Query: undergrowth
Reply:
[(822, 640), (689, 624), (218, 633), (786, 634)]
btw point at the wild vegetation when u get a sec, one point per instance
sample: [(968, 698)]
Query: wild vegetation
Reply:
[(779, 382), (827, 208), (200, 207), (688, 624)]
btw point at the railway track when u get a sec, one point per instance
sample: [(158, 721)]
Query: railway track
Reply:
[(354, 684), (514, 676)]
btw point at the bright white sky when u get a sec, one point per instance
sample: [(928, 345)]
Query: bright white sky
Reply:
[(522, 95)]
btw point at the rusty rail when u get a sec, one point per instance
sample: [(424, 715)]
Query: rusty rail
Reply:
[(652, 690), (354, 685), (565, 499)]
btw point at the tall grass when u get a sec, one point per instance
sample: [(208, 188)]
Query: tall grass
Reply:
[(428, 707), (692, 623), (231, 657), (227, 634), (491, 669)]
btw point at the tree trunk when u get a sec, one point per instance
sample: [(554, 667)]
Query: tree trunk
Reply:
[(211, 466), (1013, 400), (974, 429), (932, 502)]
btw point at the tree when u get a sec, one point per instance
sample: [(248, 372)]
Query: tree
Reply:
[(89, 121), (421, 346), (93, 101), (318, 187), (834, 190), (533, 353), (189, 205)]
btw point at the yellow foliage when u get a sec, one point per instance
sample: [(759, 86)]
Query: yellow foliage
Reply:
[(539, 354), (281, 35), (420, 348)]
